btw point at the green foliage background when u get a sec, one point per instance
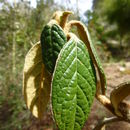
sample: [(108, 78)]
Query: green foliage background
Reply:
[(20, 28)]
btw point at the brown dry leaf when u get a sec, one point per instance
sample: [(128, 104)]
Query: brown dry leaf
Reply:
[(118, 95), (36, 82)]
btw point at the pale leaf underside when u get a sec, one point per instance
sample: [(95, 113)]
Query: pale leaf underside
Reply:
[(36, 82), (118, 95)]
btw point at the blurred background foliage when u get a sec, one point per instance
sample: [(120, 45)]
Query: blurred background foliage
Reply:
[(20, 26)]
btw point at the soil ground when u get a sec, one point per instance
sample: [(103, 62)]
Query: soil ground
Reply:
[(116, 73)]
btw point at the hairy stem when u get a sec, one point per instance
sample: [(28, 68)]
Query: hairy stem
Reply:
[(105, 102)]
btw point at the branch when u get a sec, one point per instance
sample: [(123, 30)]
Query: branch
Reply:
[(108, 121), (105, 102), (123, 107)]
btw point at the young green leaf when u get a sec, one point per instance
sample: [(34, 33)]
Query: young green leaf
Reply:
[(52, 40), (85, 37), (73, 86), (36, 82), (118, 95)]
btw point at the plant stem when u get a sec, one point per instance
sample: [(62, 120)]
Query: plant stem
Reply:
[(108, 121), (105, 102)]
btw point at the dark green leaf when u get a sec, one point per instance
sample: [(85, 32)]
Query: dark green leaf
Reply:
[(52, 40)]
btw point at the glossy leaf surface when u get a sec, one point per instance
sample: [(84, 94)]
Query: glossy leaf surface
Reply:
[(85, 37), (73, 86)]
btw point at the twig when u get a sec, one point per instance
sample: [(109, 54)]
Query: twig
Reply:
[(107, 121), (105, 102)]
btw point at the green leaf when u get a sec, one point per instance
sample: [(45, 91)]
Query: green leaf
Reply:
[(73, 86), (85, 37), (52, 40), (36, 82)]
